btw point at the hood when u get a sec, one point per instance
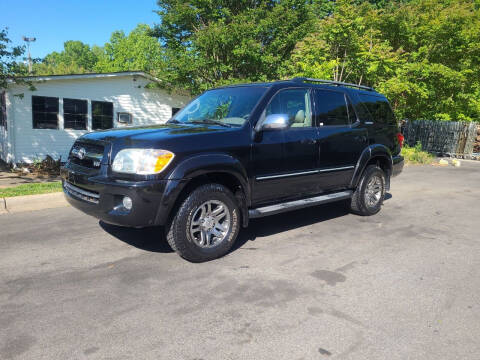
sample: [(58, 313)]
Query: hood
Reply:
[(153, 133)]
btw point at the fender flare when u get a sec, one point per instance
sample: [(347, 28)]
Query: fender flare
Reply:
[(372, 152), (198, 165)]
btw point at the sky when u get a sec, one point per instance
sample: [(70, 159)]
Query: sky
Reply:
[(53, 22)]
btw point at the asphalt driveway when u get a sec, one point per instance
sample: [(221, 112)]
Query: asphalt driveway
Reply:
[(313, 284)]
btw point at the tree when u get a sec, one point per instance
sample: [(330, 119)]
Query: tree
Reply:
[(440, 78), (345, 47), (137, 51), (424, 54), (213, 42), (76, 58), (10, 69)]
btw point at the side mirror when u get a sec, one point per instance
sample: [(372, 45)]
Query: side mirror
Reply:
[(275, 122)]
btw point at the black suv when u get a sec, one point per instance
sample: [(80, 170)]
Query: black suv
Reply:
[(236, 153)]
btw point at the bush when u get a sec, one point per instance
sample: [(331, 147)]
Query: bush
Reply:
[(415, 154), (46, 167)]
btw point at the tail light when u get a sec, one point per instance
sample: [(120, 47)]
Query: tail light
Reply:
[(400, 139)]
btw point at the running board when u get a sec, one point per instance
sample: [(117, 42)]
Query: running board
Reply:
[(298, 204)]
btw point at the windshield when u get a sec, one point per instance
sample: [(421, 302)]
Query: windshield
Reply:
[(227, 107)]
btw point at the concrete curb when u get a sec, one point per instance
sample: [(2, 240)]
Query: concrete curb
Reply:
[(3, 206), (18, 204)]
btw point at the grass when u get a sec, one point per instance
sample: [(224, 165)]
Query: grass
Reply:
[(31, 189), (415, 155)]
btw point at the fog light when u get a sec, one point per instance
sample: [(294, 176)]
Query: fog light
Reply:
[(127, 203)]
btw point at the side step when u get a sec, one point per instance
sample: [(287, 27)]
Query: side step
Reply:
[(298, 204)]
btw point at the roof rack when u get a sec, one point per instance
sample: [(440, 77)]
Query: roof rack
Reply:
[(330, 82)]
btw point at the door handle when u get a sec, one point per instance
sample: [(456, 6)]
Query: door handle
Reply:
[(307, 141)]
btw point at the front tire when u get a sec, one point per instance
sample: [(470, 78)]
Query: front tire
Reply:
[(206, 224), (368, 196)]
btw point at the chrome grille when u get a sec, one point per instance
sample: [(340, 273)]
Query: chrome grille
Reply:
[(89, 196), (87, 154)]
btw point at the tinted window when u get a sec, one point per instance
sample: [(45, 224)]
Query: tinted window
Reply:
[(75, 114), (102, 115), (351, 111), (45, 112), (379, 109), (293, 102), (175, 110), (330, 108), (228, 105)]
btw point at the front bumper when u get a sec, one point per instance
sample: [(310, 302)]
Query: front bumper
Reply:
[(397, 165), (102, 197)]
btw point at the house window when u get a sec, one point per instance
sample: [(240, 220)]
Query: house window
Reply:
[(3, 110), (75, 114), (175, 110), (102, 115), (45, 112), (124, 118)]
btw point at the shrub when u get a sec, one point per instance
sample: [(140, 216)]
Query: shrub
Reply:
[(415, 154)]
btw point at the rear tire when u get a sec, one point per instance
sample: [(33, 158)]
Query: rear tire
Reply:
[(205, 225), (368, 196)]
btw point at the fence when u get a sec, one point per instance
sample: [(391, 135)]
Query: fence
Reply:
[(442, 137)]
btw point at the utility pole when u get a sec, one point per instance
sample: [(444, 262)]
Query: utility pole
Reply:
[(28, 40)]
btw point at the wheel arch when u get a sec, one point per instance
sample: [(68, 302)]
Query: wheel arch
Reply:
[(377, 154), (201, 169)]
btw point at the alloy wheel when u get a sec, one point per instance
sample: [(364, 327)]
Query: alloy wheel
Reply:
[(210, 224)]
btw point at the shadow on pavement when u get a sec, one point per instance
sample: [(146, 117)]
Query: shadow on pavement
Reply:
[(153, 238), (148, 239), (275, 224)]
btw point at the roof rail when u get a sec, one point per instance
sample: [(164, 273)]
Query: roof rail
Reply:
[(330, 82)]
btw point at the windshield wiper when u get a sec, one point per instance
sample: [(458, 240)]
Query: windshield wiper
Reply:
[(210, 121)]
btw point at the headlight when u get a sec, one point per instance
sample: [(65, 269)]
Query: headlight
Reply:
[(142, 161)]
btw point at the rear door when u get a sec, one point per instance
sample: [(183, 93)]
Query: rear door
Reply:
[(377, 115), (340, 137)]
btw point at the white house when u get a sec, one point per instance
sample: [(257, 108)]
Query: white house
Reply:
[(47, 121)]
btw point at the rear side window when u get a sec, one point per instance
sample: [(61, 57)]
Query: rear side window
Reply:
[(379, 109), (330, 108)]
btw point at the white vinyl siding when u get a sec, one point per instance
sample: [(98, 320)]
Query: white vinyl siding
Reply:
[(127, 93)]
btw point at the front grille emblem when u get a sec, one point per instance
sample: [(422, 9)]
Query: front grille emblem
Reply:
[(79, 153)]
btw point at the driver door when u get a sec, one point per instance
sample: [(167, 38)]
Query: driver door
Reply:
[(285, 160)]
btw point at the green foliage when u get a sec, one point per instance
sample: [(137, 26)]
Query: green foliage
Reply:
[(423, 54), (76, 58), (10, 68), (415, 155), (137, 51), (215, 42)]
